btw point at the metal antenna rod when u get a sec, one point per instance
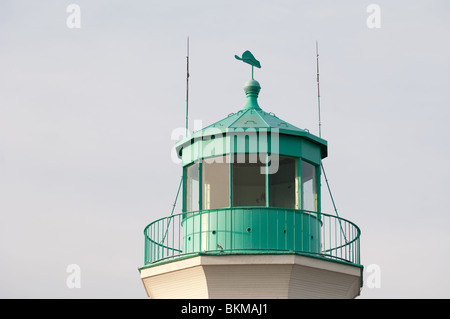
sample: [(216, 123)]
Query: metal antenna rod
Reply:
[(187, 86), (318, 87), (187, 117), (320, 135)]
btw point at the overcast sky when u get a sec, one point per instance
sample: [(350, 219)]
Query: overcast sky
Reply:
[(86, 116)]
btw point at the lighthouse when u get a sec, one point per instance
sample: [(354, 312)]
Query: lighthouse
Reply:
[(251, 224)]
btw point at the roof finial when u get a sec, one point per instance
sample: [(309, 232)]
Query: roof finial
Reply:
[(251, 89), (248, 57)]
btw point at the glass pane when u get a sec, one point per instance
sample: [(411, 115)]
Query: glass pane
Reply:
[(309, 188), (282, 190), (216, 182), (192, 186), (249, 185)]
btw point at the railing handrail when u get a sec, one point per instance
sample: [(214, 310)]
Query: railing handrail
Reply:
[(352, 245)]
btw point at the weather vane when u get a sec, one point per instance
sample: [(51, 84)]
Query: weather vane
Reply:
[(248, 57)]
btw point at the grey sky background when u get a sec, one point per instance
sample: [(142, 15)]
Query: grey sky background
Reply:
[(86, 117)]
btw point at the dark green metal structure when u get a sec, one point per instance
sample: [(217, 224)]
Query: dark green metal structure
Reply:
[(251, 185)]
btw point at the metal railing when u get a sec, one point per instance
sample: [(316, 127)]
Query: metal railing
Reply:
[(252, 230)]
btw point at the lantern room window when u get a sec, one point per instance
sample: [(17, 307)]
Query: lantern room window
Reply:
[(249, 185), (282, 184), (216, 182), (192, 188), (309, 186)]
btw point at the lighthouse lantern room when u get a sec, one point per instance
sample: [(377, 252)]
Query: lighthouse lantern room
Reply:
[(251, 224)]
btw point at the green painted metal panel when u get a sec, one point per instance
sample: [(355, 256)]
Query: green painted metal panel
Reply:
[(310, 152), (241, 229), (253, 230), (290, 145), (252, 142), (200, 182)]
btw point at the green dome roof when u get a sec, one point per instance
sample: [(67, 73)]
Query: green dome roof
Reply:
[(252, 116)]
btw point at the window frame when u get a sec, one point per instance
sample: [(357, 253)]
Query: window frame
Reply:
[(298, 201), (226, 161), (186, 185), (316, 176), (232, 170), (295, 183)]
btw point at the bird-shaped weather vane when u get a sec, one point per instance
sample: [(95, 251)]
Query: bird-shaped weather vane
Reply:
[(248, 57)]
